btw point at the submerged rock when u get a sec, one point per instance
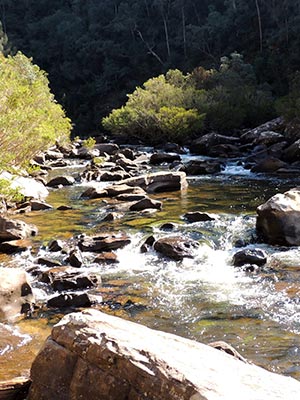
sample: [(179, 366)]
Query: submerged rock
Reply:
[(176, 247), (197, 216), (92, 355), (278, 220), (145, 204)]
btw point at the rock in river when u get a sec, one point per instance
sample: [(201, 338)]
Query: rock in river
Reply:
[(278, 220), (176, 247), (15, 229), (105, 242)]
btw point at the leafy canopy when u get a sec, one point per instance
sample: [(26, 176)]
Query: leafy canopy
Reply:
[(30, 118)]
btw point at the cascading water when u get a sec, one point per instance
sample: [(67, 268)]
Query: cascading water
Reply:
[(206, 297)]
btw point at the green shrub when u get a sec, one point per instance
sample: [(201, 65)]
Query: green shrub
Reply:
[(30, 118)]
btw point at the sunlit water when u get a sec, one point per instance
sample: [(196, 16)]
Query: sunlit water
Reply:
[(205, 298)]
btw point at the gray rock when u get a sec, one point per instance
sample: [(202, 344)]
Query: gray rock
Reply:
[(160, 158), (175, 247), (145, 204), (202, 167), (15, 229), (250, 256), (92, 355), (104, 243), (70, 300), (278, 220), (61, 181)]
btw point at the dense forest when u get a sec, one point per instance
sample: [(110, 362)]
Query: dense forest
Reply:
[(97, 51)]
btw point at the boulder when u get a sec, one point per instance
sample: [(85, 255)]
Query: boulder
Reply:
[(53, 154), (175, 247), (121, 189), (55, 245), (103, 243), (106, 148), (14, 389), (13, 229), (106, 258), (114, 176), (202, 167), (92, 355), (49, 262), (161, 158), (75, 258), (278, 220), (159, 182), (268, 164), (39, 205), (15, 246), (94, 193), (69, 300), (144, 204), (275, 125), (64, 208), (249, 256), (15, 293), (61, 181), (73, 280), (292, 153), (205, 143), (197, 216)]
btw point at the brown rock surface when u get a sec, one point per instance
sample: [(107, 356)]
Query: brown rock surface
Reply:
[(91, 355)]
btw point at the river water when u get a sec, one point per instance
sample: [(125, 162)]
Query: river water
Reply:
[(205, 298)]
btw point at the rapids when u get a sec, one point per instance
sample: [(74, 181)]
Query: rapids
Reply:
[(205, 298)]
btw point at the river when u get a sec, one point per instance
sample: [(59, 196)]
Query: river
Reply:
[(205, 298)]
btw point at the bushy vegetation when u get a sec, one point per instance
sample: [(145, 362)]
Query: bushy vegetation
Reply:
[(30, 118), (97, 51), (175, 106)]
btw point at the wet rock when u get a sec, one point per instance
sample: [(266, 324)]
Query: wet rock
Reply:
[(86, 153), (14, 389), (173, 148), (121, 189), (145, 204), (128, 153), (269, 164), (106, 258), (176, 247), (292, 153), (53, 155), (224, 150), (61, 181), (107, 148), (161, 158), (114, 176), (168, 226), (202, 167), (131, 197), (39, 205), (15, 246), (250, 256), (15, 293), (94, 193), (55, 245), (269, 138), (104, 243), (58, 163), (70, 300), (15, 229), (64, 208), (49, 262), (122, 360), (75, 258), (278, 220), (205, 143), (159, 182), (112, 216), (127, 164), (149, 242), (73, 281), (276, 125), (198, 217)]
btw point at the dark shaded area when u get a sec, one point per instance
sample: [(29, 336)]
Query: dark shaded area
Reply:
[(96, 51)]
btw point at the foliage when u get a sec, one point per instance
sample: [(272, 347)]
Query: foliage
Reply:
[(30, 118), (156, 112), (8, 193), (289, 105), (97, 51), (174, 106), (89, 143)]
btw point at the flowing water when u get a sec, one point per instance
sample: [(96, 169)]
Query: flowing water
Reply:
[(204, 298)]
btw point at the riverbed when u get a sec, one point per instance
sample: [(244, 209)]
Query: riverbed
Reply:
[(205, 298)]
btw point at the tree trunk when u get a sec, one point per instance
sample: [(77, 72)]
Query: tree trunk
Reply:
[(259, 26)]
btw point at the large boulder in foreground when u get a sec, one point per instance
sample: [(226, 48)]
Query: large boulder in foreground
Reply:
[(15, 293), (91, 355), (278, 220)]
